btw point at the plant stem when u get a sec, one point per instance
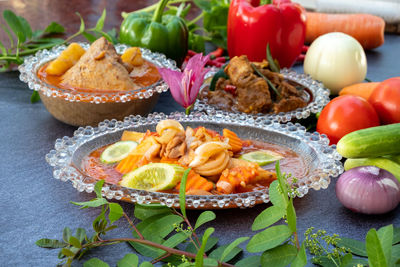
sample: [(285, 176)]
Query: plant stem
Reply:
[(149, 243), (133, 226), (296, 237), (157, 16), (152, 7), (196, 19)]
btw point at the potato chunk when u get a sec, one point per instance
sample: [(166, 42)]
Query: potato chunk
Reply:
[(65, 60), (132, 56)]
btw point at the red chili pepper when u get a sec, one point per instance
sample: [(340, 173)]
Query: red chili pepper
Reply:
[(216, 53), (230, 89), (280, 24)]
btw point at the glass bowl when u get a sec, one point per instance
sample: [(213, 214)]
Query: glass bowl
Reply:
[(316, 95), (322, 161), (81, 108)]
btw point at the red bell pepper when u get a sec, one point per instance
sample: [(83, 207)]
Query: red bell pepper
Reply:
[(251, 27)]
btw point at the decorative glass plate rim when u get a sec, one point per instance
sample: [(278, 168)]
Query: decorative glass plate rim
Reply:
[(60, 158), (319, 101), (28, 74)]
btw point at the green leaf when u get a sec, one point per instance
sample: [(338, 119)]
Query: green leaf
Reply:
[(54, 27), (269, 238), (204, 217), (35, 97), (97, 223), (274, 67), (90, 37), (212, 241), (200, 253), (95, 262), (146, 264), (395, 254), (385, 235), (97, 188), (26, 27), (182, 193), (217, 253), (96, 202), (291, 216), (67, 252), (50, 243), (346, 260), (203, 4), (301, 257), (356, 261), (129, 260), (82, 26), (66, 234), (116, 212), (209, 262), (276, 198), (396, 235), (268, 217), (14, 24), (10, 37), (100, 21), (279, 256), (281, 180), (253, 261), (80, 234), (356, 247), (162, 226), (231, 247), (144, 211), (4, 51), (113, 35), (74, 242), (376, 255), (175, 240)]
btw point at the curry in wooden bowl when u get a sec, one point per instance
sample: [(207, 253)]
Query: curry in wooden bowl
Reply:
[(83, 85)]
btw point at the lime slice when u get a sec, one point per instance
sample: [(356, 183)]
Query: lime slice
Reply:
[(261, 157), (118, 151), (153, 177)]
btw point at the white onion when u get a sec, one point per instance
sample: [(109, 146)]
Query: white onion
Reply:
[(368, 189), (337, 60)]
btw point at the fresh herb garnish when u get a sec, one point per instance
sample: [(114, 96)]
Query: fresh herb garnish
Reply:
[(270, 84)]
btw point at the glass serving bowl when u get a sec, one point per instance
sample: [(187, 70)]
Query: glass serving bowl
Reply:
[(316, 95), (80, 108), (322, 160)]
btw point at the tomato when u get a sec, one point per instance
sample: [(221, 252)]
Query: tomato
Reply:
[(345, 114), (385, 98)]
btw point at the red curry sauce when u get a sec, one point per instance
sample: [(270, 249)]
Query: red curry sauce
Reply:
[(290, 163)]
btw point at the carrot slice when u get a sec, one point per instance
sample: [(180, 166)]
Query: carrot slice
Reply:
[(234, 141), (232, 178), (128, 164), (360, 89), (196, 182)]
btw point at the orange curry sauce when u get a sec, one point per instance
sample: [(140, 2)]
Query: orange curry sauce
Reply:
[(151, 76), (290, 163)]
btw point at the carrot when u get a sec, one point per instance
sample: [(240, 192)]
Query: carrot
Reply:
[(232, 178), (196, 182), (234, 141), (128, 164), (360, 89), (367, 29)]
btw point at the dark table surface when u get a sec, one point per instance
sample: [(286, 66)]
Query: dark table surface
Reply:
[(34, 205)]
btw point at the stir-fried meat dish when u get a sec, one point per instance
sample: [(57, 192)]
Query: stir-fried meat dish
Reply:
[(247, 91)]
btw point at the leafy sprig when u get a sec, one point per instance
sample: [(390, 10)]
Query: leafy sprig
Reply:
[(165, 234)]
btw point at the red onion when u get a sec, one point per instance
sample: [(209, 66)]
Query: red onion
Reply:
[(368, 189)]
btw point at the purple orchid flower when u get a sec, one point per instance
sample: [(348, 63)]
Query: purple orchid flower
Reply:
[(185, 86)]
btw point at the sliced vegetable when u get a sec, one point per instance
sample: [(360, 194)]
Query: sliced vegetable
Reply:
[(153, 177), (132, 136), (363, 90), (232, 178), (234, 141), (381, 162), (261, 157), (118, 151), (368, 190), (337, 60), (366, 29), (371, 142), (196, 182)]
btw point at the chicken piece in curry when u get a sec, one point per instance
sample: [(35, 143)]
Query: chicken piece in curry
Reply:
[(247, 91)]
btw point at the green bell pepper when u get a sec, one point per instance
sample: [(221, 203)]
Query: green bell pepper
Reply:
[(165, 34)]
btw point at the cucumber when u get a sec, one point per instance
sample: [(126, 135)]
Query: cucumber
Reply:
[(383, 163), (261, 157), (117, 151), (371, 142)]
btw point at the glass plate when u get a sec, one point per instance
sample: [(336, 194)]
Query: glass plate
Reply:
[(322, 160), (32, 64), (318, 100)]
